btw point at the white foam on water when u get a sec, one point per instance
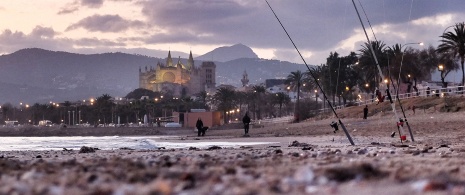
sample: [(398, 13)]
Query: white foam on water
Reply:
[(104, 143)]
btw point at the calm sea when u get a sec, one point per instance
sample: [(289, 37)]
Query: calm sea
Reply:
[(106, 143)]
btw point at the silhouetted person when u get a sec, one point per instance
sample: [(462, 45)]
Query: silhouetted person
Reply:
[(199, 126), (413, 109), (365, 112), (246, 121)]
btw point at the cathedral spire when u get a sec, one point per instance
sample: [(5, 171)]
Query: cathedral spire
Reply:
[(245, 79), (169, 61), (190, 62)]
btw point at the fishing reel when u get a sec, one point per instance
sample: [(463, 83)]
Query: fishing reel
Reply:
[(335, 126)]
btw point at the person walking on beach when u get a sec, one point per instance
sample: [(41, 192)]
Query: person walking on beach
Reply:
[(199, 126), (365, 112), (413, 109), (246, 121)]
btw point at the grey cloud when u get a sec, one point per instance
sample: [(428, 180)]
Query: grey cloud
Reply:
[(12, 41), (105, 23), (314, 25), (92, 3), (45, 32), (68, 10)]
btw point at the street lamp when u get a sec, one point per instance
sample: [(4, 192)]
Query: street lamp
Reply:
[(316, 96), (366, 93), (441, 69)]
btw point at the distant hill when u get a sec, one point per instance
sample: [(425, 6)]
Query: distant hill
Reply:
[(38, 75), (228, 53)]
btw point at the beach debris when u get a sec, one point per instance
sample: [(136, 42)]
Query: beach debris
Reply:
[(39, 156), (362, 171), (67, 150), (274, 146), (400, 145), (443, 146), (362, 151), (193, 148), (245, 147), (307, 148), (214, 148), (126, 148), (85, 149), (295, 143), (375, 143), (278, 151)]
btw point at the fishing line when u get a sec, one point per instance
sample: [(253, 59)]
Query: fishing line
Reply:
[(313, 76), (398, 79), (339, 66), (369, 23), (400, 128), (389, 73)]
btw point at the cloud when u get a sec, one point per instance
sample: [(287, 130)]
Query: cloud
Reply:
[(43, 32), (74, 6), (40, 37), (68, 10), (92, 3), (105, 23)]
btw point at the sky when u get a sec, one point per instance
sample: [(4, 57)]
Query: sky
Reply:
[(318, 27)]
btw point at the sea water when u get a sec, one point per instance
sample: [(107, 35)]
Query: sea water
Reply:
[(106, 143)]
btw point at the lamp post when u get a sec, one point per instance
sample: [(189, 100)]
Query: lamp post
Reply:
[(441, 69), (316, 96)]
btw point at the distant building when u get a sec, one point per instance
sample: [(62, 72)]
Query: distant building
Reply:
[(179, 79), (273, 82)]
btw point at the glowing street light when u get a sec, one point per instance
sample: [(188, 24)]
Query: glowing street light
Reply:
[(441, 67)]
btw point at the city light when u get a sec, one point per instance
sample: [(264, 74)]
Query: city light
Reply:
[(441, 67)]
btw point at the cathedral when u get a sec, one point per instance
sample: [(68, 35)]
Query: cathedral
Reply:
[(178, 79)]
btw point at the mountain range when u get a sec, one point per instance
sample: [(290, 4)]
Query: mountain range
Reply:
[(37, 75)]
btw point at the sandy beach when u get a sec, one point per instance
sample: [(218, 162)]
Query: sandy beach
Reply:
[(301, 158)]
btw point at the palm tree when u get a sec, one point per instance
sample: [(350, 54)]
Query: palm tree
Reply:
[(294, 80), (367, 63), (259, 91), (281, 98), (454, 44), (224, 100)]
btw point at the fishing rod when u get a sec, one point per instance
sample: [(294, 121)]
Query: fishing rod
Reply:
[(388, 93), (314, 78), (390, 77)]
